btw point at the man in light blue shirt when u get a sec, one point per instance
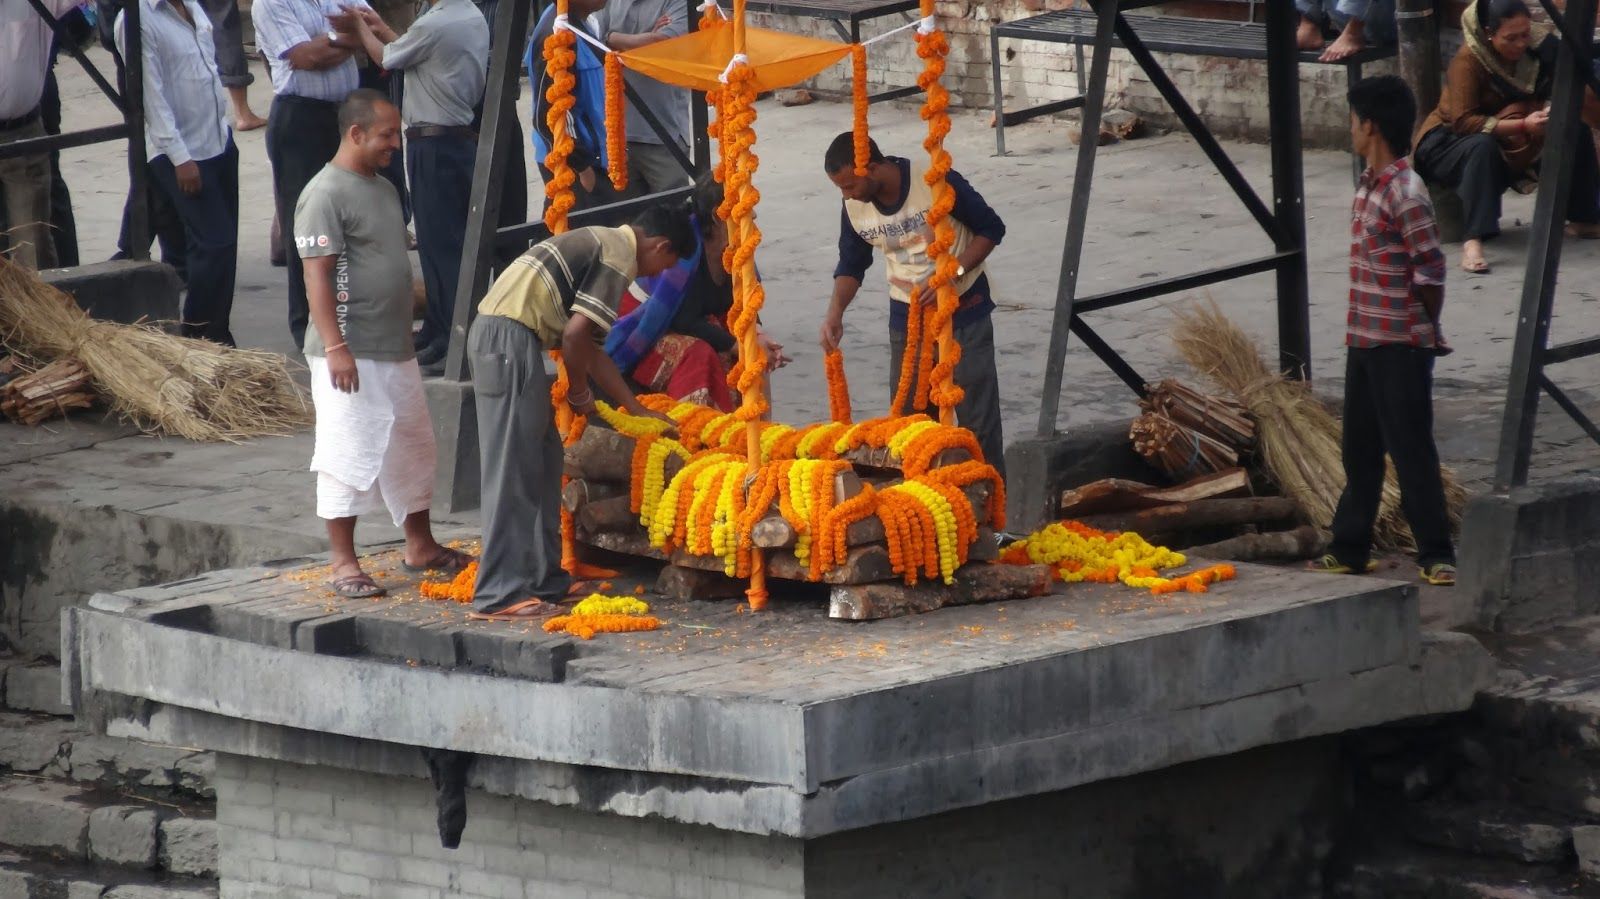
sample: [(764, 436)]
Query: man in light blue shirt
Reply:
[(192, 155), (312, 73)]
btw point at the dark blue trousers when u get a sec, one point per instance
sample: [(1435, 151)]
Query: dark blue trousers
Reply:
[(440, 169), (211, 231)]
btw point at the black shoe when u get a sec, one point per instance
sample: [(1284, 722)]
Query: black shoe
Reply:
[(434, 369), (433, 352), (421, 339)]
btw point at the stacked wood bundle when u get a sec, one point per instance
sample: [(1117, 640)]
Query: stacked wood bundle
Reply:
[(1185, 433), (44, 394)]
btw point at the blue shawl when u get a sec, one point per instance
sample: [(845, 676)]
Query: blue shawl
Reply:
[(634, 334)]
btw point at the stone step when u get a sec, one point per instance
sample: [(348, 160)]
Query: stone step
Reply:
[(1492, 829), (57, 747), (85, 824), (32, 687), (1424, 874), (34, 876)]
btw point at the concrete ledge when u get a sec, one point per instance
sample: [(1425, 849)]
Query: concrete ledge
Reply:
[(1531, 558), (122, 290)]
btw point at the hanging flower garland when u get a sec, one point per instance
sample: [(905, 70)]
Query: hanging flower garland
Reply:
[(616, 123), (965, 474), (560, 53), (933, 47), (838, 387), (860, 101)]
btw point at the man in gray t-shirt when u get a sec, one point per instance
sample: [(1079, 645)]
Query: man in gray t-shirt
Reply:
[(375, 447), (628, 25)]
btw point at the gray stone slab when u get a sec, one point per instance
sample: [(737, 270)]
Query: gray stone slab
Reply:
[(123, 835), (189, 846), (35, 688), (41, 814), (122, 290)]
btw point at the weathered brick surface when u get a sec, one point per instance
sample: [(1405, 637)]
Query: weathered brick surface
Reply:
[(368, 835)]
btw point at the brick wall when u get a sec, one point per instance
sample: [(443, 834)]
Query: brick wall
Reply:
[(1229, 94), (288, 830)]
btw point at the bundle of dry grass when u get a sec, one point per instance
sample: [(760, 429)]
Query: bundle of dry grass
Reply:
[(1297, 437), (164, 384)]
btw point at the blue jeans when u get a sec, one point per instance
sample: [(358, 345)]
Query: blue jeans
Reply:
[(1377, 15), (211, 231), (442, 167)]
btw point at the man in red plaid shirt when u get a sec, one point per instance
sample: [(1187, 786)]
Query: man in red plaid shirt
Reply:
[(1396, 293)]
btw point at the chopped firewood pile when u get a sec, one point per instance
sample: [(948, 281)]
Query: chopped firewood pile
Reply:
[(1185, 432), (32, 397)]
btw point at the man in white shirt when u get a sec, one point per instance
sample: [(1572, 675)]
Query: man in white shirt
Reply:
[(445, 56), (312, 73), (25, 180), (192, 156), (628, 25)]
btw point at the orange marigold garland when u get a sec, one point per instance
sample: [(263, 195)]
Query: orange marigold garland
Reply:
[(838, 387), (560, 53), (458, 589), (586, 626), (616, 124), (965, 473), (933, 47), (860, 101)]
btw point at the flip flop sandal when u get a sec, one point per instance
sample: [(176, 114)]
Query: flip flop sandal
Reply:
[(357, 586), (527, 610), (1439, 575), (1330, 564), (448, 560), (1481, 267)]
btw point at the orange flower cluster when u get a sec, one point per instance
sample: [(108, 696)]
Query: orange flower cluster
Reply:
[(1196, 581), (860, 101), (916, 439), (838, 387), (933, 48), (712, 18), (560, 53), (748, 372), (586, 626), (616, 124), (967, 473), (458, 589)]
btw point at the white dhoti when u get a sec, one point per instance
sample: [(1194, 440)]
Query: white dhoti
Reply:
[(375, 446)]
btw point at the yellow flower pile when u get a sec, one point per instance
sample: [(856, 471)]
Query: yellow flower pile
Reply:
[(1076, 552), (600, 604), (600, 614)]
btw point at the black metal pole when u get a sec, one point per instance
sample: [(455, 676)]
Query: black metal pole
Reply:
[(1419, 50), (1288, 190), (1077, 216), (1544, 246), (489, 173), (133, 114)]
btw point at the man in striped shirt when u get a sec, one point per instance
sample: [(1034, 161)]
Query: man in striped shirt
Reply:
[(1396, 296), (561, 294)]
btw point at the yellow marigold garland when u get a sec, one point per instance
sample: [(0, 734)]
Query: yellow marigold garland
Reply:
[(635, 426), (600, 604), (616, 123), (1077, 552)]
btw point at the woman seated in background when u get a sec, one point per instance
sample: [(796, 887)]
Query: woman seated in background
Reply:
[(673, 336), (1489, 130)]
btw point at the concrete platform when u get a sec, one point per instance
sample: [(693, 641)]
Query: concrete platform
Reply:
[(776, 723)]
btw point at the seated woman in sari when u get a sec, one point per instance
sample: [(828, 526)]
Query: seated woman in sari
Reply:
[(1488, 133), (673, 335)]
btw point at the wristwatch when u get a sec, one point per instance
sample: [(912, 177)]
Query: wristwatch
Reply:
[(961, 271), (333, 38)]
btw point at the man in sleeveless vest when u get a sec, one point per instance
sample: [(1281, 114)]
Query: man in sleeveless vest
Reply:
[(887, 209)]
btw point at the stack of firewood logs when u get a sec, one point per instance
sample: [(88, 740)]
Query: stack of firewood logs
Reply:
[(32, 397), (1185, 433)]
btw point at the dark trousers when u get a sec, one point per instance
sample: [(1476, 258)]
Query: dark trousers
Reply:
[(602, 195), (442, 166), (1473, 166), (166, 227), (1388, 408), (302, 137), (979, 409), (520, 451), (227, 34), (211, 227), (63, 223)]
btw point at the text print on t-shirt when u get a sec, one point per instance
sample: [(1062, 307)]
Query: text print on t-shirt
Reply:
[(341, 293)]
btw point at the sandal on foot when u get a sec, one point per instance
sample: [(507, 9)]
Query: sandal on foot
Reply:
[(1330, 564), (357, 586), (1439, 574), (1475, 266), (448, 560), (523, 611)]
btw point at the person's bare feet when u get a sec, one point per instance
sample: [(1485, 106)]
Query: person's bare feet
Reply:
[(1352, 40), (1309, 35), (1472, 260), (248, 121)]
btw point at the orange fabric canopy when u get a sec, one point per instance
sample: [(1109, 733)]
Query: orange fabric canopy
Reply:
[(696, 60)]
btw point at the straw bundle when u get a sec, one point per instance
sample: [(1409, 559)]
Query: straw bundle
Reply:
[(164, 384), (1297, 437)]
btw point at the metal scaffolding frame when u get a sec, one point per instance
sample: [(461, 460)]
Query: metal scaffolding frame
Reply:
[(1532, 352), (1283, 222), (129, 101)]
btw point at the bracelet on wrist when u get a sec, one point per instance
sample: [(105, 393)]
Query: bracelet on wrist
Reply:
[(337, 346), (580, 399)]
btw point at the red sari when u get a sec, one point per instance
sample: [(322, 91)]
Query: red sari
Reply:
[(682, 367)]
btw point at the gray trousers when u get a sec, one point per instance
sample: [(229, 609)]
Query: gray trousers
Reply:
[(227, 34), (521, 456), (1377, 15), (651, 169), (25, 190), (979, 409)]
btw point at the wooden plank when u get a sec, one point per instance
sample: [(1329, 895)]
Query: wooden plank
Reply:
[(1303, 542), (1201, 513), (678, 582), (863, 565), (774, 532), (1119, 495), (579, 491), (600, 454), (973, 584), (610, 514)]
